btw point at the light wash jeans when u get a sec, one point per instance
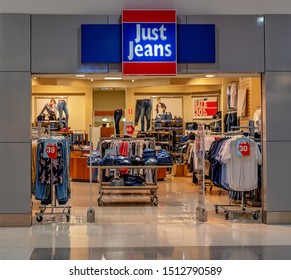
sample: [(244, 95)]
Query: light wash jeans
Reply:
[(62, 107)]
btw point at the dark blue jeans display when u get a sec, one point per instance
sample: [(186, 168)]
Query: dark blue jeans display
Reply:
[(146, 112), (137, 111), (117, 118), (62, 107)]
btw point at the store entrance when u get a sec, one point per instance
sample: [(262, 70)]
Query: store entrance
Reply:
[(227, 105)]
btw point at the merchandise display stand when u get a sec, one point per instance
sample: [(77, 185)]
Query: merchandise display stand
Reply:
[(151, 187), (230, 209), (55, 210)]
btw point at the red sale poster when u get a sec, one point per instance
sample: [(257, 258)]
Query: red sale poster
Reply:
[(204, 107)]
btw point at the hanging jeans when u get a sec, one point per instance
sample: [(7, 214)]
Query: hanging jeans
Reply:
[(62, 107), (117, 118), (137, 111), (146, 112)]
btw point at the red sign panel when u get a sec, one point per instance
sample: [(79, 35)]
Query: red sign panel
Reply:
[(50, 149), (205, 107), (243, 147)]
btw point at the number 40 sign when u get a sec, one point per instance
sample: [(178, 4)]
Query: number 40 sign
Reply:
[(243, 147), (50, 148)]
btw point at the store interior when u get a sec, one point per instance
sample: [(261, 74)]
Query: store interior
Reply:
[(92, 101)]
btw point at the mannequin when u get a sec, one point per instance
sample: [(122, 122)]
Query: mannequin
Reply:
[(62, 107)]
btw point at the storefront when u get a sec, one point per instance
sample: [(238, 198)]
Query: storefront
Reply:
[(246, 48)]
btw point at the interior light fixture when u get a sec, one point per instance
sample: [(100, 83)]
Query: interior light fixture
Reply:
[(123, 119), (132, 81), (112, 78), (104, 119), (80, 76), (210, 76), (92, 80)]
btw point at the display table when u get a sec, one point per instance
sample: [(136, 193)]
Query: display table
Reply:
[(151, 187)]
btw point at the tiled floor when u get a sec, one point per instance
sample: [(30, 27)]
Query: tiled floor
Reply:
[(130, 227)]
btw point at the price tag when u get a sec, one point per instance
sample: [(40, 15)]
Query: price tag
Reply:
[(50, 148), (243, 147), (129, 128)]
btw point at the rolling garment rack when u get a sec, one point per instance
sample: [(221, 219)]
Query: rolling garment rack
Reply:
[(230, 209), (105, 187), (50, 147)]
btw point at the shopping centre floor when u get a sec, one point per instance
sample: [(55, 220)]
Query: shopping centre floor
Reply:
[(129, 227)]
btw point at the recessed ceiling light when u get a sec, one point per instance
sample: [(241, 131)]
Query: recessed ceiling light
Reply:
[(210, 76), (80, 76), (112, 78)]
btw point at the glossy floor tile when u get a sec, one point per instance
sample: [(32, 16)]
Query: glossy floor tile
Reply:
[(128, 226)]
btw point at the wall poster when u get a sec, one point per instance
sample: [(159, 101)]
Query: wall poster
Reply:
[(163, 105), (204, 107)]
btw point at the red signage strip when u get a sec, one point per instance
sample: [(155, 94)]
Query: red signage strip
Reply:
[(149, 68), (149, 16)]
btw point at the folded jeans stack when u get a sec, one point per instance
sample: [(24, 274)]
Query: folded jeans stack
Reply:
[(164, 158)]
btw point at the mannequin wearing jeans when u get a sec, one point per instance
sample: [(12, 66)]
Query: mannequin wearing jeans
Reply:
[(117, 118), (62, 107), (146, 112), (137, 111)]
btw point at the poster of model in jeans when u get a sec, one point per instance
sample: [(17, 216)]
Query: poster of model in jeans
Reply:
[(163, 105)]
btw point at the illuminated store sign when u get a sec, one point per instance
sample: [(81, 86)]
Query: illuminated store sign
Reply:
[(149, 42)]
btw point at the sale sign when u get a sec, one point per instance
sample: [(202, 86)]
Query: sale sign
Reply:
[(204, 107), (242, 147), (50, 148), (128, 128)]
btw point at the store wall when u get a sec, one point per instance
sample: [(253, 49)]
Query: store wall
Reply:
[(277, 113), (15, 145)]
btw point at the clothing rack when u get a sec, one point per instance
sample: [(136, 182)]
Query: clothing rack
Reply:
[(66, 209), (242, 208)]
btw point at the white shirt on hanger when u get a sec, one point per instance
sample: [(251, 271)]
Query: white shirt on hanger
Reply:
[(242, 171)]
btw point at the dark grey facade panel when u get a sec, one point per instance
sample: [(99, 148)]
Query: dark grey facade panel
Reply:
[(15, 178), (15, 43), (15, 104), (278, 42), (239, 43), (56, 43), (277, 102), (277, 176)]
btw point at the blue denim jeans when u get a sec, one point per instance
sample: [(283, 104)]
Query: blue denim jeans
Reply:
[(137, 111), (62, 107), (117, 118), (146, 112)]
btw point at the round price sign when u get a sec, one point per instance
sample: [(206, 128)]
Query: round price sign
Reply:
[(129, 128), (243, 147), (50, 149)]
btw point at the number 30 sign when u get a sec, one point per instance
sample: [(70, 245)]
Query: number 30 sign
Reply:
[(50, 148), (243, 147)]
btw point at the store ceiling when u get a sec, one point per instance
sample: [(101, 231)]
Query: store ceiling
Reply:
[(113, 7), (98, 82)]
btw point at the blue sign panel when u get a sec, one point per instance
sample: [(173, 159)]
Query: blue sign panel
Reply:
[(102, 43), (196, 43)]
